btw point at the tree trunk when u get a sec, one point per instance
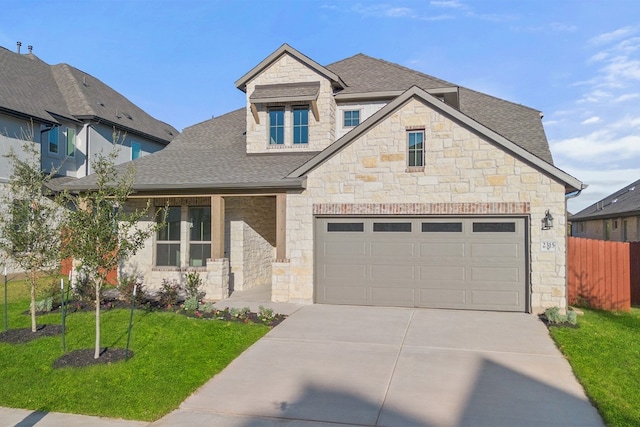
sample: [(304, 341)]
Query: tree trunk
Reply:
[(96, 354), (34, 325)]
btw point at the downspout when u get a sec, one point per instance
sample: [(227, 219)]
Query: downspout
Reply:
[(86, 150)]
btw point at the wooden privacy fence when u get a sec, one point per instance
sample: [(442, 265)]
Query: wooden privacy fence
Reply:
[(603, 274)]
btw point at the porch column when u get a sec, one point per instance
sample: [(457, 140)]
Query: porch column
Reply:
[(281, 226), (217, 227)]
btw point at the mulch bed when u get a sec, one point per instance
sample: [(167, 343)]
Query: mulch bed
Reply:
[(24, 335), (83, 358), (548, 324)]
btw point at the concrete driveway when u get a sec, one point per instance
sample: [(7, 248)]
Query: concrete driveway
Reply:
[(342, 365)]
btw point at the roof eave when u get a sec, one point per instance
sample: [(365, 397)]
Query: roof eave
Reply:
[(102, 120), (285, 184)]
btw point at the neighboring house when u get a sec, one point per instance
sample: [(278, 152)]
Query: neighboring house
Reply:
[(69, 116), (615, 218), (360, 182)]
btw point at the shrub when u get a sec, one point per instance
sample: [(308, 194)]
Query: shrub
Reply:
[(83, 289), (555, 318), (169, 293), (193, 286), (125, 287), (266, 315), (206, 307), (572, 317), (191, 304), (45, 304)]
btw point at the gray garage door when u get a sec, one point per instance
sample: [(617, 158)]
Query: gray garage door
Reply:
[(461, 263)]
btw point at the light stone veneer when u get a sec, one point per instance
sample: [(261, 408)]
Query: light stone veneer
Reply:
[(289, 70), (460, 167)]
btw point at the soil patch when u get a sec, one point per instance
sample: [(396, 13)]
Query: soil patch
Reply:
[(82, 358), (24, 335)]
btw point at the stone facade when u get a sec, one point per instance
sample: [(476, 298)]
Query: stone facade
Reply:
[(461, 169), (287, 69)]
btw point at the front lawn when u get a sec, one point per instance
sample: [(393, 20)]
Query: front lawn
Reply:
[(173, 355), (605, 355)]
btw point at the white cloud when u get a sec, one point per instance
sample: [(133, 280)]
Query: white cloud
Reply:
[(591, 120), (387, 11), (451, 4), (601, 147), (613, 35), (627, 97)]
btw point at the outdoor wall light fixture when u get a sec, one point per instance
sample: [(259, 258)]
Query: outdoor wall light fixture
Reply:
[(547, 221)]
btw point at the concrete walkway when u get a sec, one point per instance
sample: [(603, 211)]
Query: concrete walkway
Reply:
[(363, 366)]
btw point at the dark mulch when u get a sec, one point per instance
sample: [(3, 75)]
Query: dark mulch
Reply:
[(82, 358), (24, 335)]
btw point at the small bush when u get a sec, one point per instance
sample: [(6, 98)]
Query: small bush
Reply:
[(169, 293), (193, 286), (206, 307), (45, 304), (191, 304), (83, 289), (266, 315), (555, 318), (125, 287), (240, 313)]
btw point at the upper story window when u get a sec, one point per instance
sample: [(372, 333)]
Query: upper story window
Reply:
[(276, 126), (301, 125), (71, 142), (415, 141), (54, 144), (351, 118), (136, 150)]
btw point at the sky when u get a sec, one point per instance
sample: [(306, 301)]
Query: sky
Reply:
[(578, 62)]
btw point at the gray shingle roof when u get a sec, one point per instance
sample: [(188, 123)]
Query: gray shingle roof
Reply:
[(624, 202), (211, 154), (519, 124), (32, 88)]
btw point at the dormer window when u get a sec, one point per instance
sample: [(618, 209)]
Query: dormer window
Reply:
[(301, 125), (276, 126)]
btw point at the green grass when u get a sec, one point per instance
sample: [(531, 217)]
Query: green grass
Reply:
[(173, 356), (605, 355)]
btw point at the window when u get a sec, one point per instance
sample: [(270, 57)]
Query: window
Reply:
[(351, 118), (494, 227), (300, 125), (416, 149), (71, 142), (404, 227), (168, 239), (199, 236), (345, 227), (441, 227), (53, 140), (136, 150), (276, 126)]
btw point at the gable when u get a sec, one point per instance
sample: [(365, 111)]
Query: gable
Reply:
[(464, 122)]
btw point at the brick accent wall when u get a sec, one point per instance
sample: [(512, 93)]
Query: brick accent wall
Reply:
[(496, 208)]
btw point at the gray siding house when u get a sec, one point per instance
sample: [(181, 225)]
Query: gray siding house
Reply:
[(360, 182), (615, 218), (69, 116)]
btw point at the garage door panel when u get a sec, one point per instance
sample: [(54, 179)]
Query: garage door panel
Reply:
[(441, 250), (395, 249), (344, 271), (430, 274), (392, 296), (495, 250), (462, 263), (344, 247), (444, 298), (495, 274), (346, 294), (497, 299), (390, 273)]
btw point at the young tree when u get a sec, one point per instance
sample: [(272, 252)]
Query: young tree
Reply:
[(99, 231), (30, 220)]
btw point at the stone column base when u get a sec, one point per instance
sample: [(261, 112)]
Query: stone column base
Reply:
[(280, 280), (216, 279)]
